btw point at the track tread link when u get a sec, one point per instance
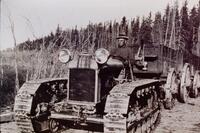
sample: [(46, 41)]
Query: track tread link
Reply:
[(23, 103), (22, 107)]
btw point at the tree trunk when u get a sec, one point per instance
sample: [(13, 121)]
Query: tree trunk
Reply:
[(15, 53)]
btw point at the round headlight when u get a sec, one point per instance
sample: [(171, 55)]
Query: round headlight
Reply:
[(101, 55), (64, 55)]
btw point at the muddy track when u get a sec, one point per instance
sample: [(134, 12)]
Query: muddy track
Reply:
[(183, 118)]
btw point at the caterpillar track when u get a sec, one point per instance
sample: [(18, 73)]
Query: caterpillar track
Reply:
[(22, 108), (133, 107), (27, 100)]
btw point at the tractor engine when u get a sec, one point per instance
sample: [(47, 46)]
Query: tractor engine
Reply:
[(90, 78)]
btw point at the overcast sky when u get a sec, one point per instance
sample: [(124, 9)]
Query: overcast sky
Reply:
[(40, 17)]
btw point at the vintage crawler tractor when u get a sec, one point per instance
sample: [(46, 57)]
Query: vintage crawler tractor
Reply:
[(93, 98), (104, 93)]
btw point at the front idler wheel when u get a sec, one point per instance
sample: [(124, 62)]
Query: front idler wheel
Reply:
[(54, 126)]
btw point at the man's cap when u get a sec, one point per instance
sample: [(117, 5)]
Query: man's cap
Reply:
[(122, 37)]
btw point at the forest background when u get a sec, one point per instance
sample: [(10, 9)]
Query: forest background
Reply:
[(177, 28)]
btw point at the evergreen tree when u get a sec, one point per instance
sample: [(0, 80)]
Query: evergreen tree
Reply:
[(109, 35), (115, 33), (185, 28), (157, 29), (135, 27), (177, 26), (166, 18), (58, 31), (146, 31), (194, 23)]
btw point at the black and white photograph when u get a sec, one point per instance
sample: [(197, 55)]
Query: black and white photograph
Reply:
[(99, 66)]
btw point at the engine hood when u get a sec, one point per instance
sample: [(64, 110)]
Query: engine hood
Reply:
[(114, 62)]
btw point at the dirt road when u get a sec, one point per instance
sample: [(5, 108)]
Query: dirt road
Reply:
[(183, 118)]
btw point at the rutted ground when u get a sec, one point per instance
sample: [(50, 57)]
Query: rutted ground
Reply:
[(183, 118)]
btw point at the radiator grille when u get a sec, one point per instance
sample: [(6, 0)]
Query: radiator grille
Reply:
[(82, 85)]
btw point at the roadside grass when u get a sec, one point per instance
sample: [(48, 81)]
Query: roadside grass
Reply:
[(32, 65)]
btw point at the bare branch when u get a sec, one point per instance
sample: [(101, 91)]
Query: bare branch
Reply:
[(15, 50)]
